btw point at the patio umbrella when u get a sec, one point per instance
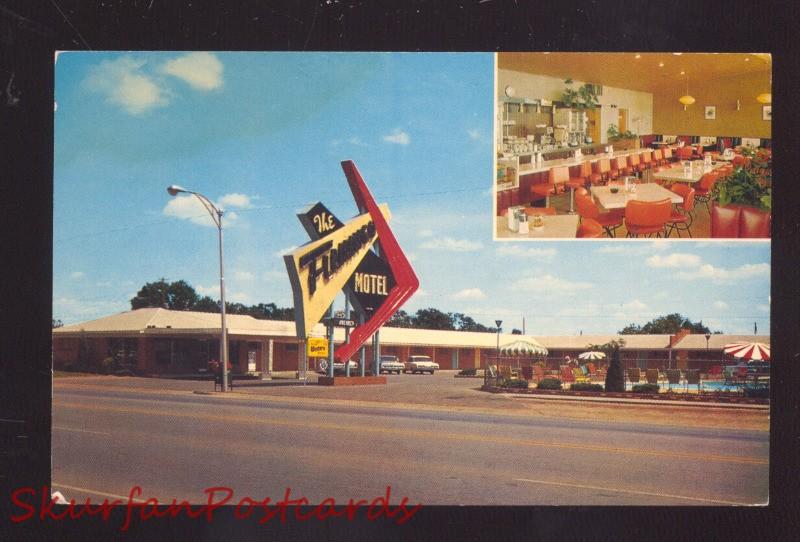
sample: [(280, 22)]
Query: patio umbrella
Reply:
[(749, 351), (523, 347), (592, 355)]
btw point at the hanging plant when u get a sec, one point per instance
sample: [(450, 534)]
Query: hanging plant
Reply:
[(582, 98)]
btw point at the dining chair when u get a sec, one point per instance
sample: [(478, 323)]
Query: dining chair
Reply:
[(587, 208), (619, 167), (635, 164), (589, 228), (667, 155), (681, 218), (580, 181), (556, 179), (705, 186), (602, 167), (647, 217)]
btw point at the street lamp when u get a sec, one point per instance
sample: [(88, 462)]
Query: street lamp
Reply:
[(708, 336), (498, 323), (216, 216)]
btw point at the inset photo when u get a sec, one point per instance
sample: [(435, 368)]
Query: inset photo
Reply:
[(633, 145)]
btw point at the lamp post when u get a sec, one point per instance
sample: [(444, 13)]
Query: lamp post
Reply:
[(708, 336), (216, 216), (498, 323)]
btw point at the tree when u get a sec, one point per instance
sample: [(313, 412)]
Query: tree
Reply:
[(666, 325), (401, 319), (431, 318), (177, 295), (615, 376), (206, 304), (462, 322), (57, 323)]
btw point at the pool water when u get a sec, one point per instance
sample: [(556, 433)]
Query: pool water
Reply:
[(707, 386)]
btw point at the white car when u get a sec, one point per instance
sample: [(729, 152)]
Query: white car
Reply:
[(420, 364), (338, 367), (390, 364)]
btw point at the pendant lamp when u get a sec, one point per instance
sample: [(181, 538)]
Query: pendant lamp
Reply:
[(686, 99)]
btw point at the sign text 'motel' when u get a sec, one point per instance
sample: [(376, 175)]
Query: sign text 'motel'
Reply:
[(340, 256)]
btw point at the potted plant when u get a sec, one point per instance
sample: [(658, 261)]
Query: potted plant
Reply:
[(583, 98), (624, 140), (747, 187)]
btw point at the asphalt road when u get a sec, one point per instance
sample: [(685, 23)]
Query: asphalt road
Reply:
[(174, 444)]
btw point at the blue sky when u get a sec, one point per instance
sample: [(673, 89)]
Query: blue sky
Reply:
[(263, 134)]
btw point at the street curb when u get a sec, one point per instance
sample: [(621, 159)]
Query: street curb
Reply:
[(621, 400)]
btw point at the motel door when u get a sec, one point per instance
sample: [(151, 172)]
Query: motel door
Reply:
[(454, 358)]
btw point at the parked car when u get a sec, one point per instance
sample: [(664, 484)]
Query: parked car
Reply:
[(338, 367), (420, 364), (390, 364)]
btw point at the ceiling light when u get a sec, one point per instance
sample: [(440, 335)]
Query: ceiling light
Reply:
[(686, 99), (677, 54), (764, 98), (638, 56), (747, 59), (683, 72), (660, 64)]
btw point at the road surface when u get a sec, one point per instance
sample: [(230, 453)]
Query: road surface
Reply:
[(174, 444)]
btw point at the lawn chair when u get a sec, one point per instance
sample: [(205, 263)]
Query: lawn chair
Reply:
[(634, 375), (652, 376), (566, 374), (693, 377), (673, 377)]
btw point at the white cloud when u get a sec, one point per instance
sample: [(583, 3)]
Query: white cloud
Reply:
[(273, 275), (546, 254), (474, 133), (123, 83), (589, 309), (70, 310), (190, 208), (548, 284), (282, 252), (674, 260), (202, 71), (720, 305), (357, 142), (425, 233), (469, 293), (420, 293), (398, 137), (211, 291), (452, 245), (719, 274), (241, 201), (243, 275), (76, 275), (634, 306)]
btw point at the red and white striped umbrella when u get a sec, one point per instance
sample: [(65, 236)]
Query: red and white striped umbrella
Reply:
[(749, 351)]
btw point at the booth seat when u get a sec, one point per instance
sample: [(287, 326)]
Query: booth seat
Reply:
[(739, 222)]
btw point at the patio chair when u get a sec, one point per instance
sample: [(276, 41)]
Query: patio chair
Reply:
[(693, 377), (634, 374), (652, 376), (673, 377), (566, 374)]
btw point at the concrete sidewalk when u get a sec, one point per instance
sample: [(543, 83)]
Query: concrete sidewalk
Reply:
[(584, 399)]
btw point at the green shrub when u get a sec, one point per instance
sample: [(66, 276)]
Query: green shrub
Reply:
[(468, 372), (514, 383), (549, 384), (586, 386), (645, 388), (761, 392)]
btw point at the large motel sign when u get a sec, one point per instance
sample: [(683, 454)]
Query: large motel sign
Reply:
[(360, 257)]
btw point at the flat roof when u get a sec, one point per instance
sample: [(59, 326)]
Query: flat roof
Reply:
[(159, 321)]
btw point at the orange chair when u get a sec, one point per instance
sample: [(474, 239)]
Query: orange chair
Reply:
[(647, 217), (705, 186), (635, 164), (647, 160), (667, 155), (681, 219), (556, 180), (589, 228), (658, 159), (601, 168), (587, 208), (584, 175), (684, 153), (619, 167)]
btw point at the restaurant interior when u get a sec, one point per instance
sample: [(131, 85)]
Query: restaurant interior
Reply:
[(633, 145)]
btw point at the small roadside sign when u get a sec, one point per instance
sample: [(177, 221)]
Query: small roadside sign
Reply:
[(317, 347), (340, 322)]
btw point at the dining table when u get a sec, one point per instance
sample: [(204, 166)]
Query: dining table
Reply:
[(640, 192), (554, 226), (678, 174)]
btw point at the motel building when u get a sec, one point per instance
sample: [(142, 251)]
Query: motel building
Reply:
[(156, 341)]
